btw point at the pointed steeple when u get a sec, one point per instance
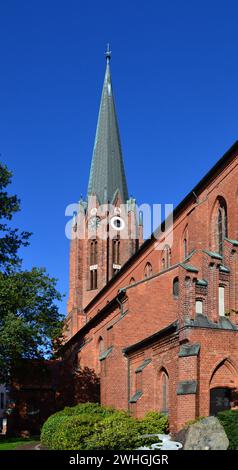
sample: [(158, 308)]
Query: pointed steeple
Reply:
[(107, 174)]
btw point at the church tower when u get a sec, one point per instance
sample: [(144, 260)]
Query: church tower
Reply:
[(105, 232)]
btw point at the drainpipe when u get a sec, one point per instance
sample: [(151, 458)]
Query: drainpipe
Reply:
[(128, 383)]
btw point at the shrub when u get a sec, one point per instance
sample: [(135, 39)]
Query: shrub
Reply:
[(229, 420), (116, 432), (154, 423), (58, 420), (91, 426), (50, 427), (74, 430)]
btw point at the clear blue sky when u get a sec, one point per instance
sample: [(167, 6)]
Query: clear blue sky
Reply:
[(174, 70)]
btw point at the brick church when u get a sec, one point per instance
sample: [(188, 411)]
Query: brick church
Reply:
[(159, 328)]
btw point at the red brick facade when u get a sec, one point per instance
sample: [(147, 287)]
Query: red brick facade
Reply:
[(165, 341)]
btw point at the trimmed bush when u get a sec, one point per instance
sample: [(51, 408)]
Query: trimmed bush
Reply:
[(57, 421), (116, 432), (50, 427), (229, 420), (89, 426), (72, 434), (154, 423)]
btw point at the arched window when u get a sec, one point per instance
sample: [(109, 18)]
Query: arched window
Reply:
[(176, 287), (219, 225), (166, 257), (148, 270), (100, 345), (185, 248), (132, 280), (116, 255), (93, 252), (93, 279), (164, 392), (93, 275)]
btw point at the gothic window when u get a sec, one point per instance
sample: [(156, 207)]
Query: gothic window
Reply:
[(132, 280), (185, 248), (116, 255), (166, 257), (148, 270), (164, 392), (219, 224), (93, 279), (93, 264), (221, 228), (116, 251), (93, 252), (176, 287), (100, 345)]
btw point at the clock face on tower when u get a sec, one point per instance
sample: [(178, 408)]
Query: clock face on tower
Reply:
[(93, 223)]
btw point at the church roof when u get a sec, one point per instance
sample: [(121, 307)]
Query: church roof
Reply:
[(107, 174)]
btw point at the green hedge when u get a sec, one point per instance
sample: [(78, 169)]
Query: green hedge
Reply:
[(229, 420), (91, 426)]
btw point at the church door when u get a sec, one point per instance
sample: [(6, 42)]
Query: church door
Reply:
[(220, 400)]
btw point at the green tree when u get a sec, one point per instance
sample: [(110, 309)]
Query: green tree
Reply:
[(30, 323)]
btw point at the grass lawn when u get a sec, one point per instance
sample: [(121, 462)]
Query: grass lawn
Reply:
[(11, 443)]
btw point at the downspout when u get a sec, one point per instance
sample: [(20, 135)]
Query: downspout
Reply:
[(128, 383)]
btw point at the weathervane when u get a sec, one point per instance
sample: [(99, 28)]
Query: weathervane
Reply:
[(108, 53)]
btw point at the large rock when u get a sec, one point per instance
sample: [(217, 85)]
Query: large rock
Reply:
[(205, 434)]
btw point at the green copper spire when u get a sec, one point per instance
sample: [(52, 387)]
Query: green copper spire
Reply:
[(107, 174)]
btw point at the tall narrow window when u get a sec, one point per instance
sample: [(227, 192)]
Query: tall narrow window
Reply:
[(100, 345), (166, 257), (148, 270), (185, 248), (93, 252), (221, 301), (165, 392), (185, 238), (176, 287), (116, 255), (93, 264), (93, 279), (221, 225)]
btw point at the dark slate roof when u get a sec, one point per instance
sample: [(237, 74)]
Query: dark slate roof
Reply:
[(107, 174), (202, 321), (213, 254), (187, 350), (201, 282), (105, 354), (143, 365), (135, 397)]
